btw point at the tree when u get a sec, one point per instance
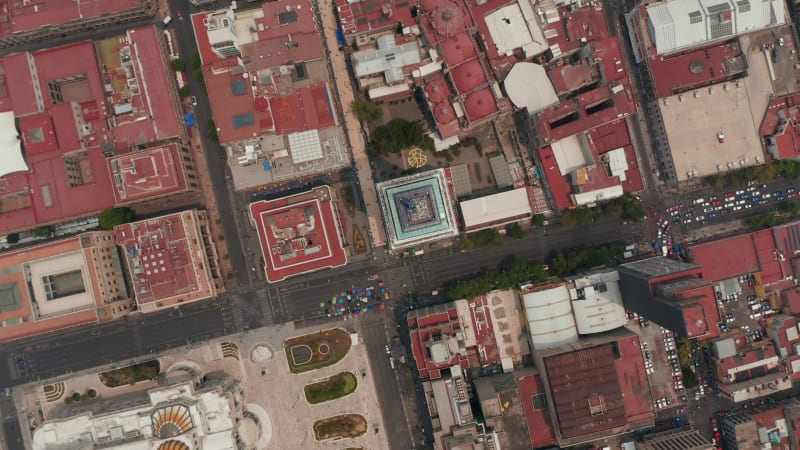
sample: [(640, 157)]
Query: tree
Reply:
[(184, 91), (196, 61), (538, 219), (397, 135), (12, 238), (177, 65), (366, 110), (212, 130), (115, 216), (515, 231), (42, 231)]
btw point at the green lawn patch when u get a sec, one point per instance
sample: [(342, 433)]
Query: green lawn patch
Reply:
[(337, 386), (131, 375), (344, 426), (327, 347)]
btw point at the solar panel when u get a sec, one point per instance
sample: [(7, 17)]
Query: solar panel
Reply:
[(243, 120), (238, 87)]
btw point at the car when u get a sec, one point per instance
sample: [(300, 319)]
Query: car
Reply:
[(737, 208), (748, 206), (713, 421), (791, 190), (780, 198), (700, 218), (712, 215), (683, 398), (791, 195), (728, 194), (745, 196), (194, 101), (644, 345), (687, 220), (766, 196), (388, 351)]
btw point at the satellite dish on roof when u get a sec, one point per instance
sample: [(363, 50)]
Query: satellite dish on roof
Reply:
[(245, 75)]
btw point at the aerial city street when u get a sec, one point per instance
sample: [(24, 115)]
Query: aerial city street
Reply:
[(392, 224)]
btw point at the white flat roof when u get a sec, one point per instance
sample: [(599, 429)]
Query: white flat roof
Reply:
[(518, 86), (679, 24), (510, 30), (598, 195), (10, 146), (569, 154), (495, 207), (56, 265), (601, 307), (550, 319)]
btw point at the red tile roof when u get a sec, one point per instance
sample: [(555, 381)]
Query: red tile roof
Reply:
[(792, 300), (700, 313), (725, 258), (596, 107), (23, 316), (166, 259), (560, 187), (697, 68), (29, 15), (49, 135), (286, 17), (457, 49), (539, 426), (366, 15), (571, 77), (426, 323), (633, 380), (481, 104), (299, 234), (304, 109), (39, 136), (147, 173), (277, 52), (593, 390), (770, 267), (227, 106), (468, 76), (207, 56), (584, 23), (779, 124), (162, 119), (20, 85)]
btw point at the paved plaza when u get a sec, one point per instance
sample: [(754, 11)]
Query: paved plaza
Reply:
[(273, 394)]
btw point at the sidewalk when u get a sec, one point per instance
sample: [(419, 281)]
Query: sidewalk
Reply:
[(353, 126), (207, 197)]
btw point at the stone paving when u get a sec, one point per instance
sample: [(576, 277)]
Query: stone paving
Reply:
[(257, 359), (353, 126)]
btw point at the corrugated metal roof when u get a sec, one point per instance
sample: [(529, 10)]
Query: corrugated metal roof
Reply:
[(678, 24), (495, 207)]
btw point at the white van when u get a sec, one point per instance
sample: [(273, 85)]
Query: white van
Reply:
[(167, 20)]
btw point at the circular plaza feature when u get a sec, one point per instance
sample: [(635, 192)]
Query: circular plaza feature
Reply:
[(261, 353)]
